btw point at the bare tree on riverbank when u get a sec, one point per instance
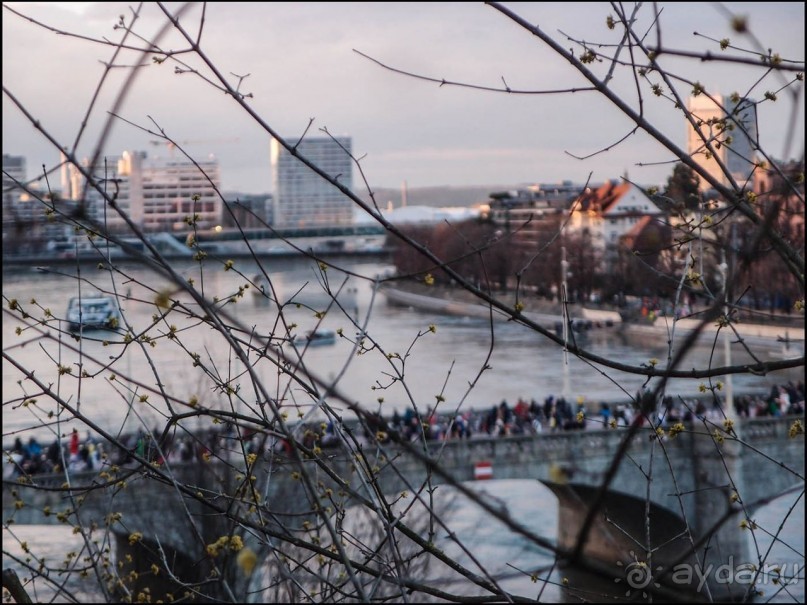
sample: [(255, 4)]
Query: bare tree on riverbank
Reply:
[(318, 555)]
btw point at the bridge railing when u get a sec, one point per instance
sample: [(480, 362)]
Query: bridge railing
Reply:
[(551, 443)]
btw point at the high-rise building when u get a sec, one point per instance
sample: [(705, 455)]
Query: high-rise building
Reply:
[(302, 198), (156, 194), (729, 124), (14, 172), (25, 204)]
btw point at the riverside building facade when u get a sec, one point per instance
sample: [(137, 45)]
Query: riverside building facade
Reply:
[(302, 198), (531, 212)]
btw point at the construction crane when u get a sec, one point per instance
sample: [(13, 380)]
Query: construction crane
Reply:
[(171, 145)]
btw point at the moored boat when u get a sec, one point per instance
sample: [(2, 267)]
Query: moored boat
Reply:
[(320, 337), (92, 311)]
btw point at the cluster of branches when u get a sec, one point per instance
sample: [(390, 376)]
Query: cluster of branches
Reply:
[(321, 556)]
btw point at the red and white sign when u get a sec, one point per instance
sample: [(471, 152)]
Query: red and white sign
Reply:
[(483, 470)]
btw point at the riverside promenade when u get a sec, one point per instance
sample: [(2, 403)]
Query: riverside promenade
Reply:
[(782, 332), (458, 301)]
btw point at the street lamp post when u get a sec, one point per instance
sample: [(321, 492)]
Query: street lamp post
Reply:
[(564, 265), (729, 411)]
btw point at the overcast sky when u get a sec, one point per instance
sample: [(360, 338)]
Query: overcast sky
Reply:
[(302, 65)]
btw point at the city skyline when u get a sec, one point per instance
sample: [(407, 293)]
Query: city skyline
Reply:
[(302, 65)]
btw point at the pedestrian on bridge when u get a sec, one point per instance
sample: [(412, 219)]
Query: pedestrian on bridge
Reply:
[(74, 445)]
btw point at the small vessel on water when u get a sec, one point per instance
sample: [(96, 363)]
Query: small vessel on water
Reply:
[(320, 337), (312, 295), (92, 311)]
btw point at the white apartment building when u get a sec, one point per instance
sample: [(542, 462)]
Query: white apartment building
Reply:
[(721, 118), (156, 194), (302, 198)]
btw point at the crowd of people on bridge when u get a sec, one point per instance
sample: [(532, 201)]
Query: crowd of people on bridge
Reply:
[(32, 458), (500, 420), (783, 400), (557, 414)]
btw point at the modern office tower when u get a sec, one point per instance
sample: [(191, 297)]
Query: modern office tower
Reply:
[(302, 198), (156, 194), (730, 125)]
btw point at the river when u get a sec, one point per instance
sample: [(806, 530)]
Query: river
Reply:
[(438, 357), (442, 362)]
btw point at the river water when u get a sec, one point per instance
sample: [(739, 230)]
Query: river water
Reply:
[(442, 361)]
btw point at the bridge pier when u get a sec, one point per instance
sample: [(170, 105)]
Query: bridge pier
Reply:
[(652, 539), (142, 570), (617, 546), (718, 514)]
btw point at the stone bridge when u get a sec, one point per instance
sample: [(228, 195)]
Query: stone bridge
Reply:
[(689, 479)]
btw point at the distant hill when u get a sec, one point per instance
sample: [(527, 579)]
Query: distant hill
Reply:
[(436, 196)]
